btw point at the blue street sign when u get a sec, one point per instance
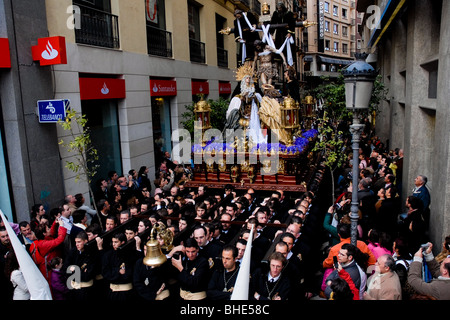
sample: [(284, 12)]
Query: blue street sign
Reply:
[(50, 111)]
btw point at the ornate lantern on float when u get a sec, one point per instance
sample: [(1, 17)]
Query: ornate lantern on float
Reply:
[(289, 117), (309, 101), (202, 111)]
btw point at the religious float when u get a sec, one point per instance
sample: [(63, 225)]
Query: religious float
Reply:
[(268, 139)]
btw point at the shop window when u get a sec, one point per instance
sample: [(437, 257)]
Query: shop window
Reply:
[(102, 120), (162, 129)]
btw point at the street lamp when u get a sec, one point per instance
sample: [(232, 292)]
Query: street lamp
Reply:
[(358, 78)]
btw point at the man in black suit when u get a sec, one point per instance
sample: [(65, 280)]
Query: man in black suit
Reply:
[(280, 16), (244, 32), (227, 230), (271, 285), (221, 284), (210, 250), (102, 190)]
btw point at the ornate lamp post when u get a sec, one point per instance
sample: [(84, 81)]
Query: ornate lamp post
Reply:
[(358, 78)]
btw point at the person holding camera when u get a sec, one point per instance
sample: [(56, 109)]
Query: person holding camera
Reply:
[(345, 260), (439, 287), (48, 245), (193, 271), (334, 216)]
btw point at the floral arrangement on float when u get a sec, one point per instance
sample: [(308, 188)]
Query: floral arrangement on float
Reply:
[(298, 146)]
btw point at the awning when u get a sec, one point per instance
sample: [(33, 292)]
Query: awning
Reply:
[(334, 60), (224, 87), (308, 58), (160, 87), (200, 87), (102, 88)]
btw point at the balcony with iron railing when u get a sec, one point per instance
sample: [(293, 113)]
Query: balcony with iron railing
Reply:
[(197, 51), (159, 42), (222, 57), (97, 28)]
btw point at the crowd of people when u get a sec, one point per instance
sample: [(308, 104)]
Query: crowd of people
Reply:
[(300, 250)]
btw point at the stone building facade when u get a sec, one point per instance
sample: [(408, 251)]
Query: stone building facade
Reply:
[(409, 43)]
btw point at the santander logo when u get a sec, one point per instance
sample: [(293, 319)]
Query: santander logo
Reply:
[(49, 53), (163, 88), (105, 89)]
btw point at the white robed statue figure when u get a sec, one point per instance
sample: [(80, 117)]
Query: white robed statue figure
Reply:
[(243, 108)]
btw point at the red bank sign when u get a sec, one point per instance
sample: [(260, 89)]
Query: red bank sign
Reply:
[(224, 87), (160, 88), (5, 56), (200, 87), (102, 88), (50, 51)]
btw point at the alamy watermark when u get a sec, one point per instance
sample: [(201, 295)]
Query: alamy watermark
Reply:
[(373, 21), (74, 19), (74, 278)]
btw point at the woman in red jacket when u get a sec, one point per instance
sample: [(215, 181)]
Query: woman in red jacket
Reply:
[(48, 245)]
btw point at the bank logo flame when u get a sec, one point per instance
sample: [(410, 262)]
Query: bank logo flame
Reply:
[(105, 89), (49, 53)]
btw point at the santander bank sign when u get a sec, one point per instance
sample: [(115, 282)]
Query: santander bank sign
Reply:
[(50, 51), (163, 88)]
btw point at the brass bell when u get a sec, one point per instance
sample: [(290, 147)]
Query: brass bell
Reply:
[(154, 256)]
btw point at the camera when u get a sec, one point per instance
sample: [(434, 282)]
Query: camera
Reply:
[(424, 247), (335, 262), (177, 255)]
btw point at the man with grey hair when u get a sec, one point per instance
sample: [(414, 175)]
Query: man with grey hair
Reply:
[(421, 191), (384, 284)]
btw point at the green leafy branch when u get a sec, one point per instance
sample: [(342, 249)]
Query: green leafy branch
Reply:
[(330, 144), (79, 144)]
